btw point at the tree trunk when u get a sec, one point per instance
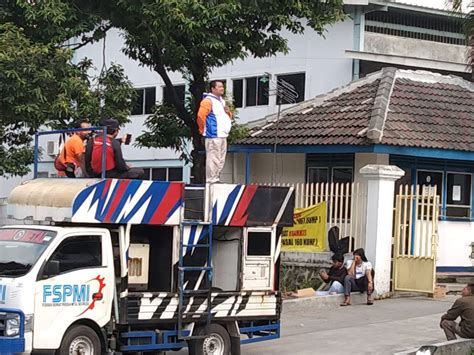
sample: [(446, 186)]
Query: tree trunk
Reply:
[(198, 155), (197, 87)]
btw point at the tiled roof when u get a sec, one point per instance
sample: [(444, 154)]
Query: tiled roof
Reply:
[(394, 107)]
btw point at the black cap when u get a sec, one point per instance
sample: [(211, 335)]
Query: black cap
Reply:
[(338, 257), (112, 123)]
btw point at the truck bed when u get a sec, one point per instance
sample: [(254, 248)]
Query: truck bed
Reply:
[(148, 307)]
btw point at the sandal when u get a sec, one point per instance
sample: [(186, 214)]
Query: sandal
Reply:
[(347, 302)]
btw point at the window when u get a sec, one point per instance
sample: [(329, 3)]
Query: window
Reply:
[(78, 253), (164, 174), (168, 97), (342, 175), (259, 243), (144, 101), (316, 175), (431, 178), (321, 175), (256, 91), (294, 91), (458, 199), (238, 92)]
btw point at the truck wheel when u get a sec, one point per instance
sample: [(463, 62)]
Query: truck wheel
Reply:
[(80, 340), (217, 341)]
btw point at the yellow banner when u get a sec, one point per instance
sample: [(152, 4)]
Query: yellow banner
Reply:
[(308, 233)]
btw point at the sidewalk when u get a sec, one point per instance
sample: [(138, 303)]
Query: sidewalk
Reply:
[(387, 327)]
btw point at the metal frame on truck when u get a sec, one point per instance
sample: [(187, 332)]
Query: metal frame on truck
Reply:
[(193, 265)]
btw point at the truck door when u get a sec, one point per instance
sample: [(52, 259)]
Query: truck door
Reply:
[(258, 267), (75, 282)]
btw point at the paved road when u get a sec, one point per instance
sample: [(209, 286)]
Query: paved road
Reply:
[(386, 327)]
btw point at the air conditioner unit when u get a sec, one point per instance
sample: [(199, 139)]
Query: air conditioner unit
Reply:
[(52, 148)]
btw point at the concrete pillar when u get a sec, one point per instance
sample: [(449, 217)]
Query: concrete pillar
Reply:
[(379, 221)]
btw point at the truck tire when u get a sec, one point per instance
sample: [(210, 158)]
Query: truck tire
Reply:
[(217, 341), (80, 339)]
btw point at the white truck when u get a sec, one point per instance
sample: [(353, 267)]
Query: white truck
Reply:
[(107, 266)]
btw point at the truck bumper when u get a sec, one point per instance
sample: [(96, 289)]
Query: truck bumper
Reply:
[(12, 344)]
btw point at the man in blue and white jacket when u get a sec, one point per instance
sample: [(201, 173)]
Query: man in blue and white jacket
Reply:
[(214, 122)]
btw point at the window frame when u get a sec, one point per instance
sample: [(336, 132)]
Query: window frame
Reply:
[(445, 204), (143, 111), (149, 178), (244, 91), (342, 167), (304, 88), (59, 244), (163, 88), (330, 176)]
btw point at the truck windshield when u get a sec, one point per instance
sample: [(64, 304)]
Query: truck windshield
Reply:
[(21, 248)]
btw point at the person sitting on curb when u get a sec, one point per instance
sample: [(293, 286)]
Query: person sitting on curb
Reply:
[(335, 277), (463, 308), (359, 277)]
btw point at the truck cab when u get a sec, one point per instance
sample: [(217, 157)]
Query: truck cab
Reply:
[(105, 265)]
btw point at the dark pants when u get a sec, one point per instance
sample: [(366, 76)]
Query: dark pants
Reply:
[(451, 329), (132, 173), (353, 284)]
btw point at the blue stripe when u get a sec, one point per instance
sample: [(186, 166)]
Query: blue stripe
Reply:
[(454, 269), (175, 207), (211, 125), (229, 203), (214, 214), (129, 192), (155, 193), (192, 235)]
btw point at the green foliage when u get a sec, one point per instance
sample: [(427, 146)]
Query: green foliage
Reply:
[(39, 86), (165, 130), (193, 37)]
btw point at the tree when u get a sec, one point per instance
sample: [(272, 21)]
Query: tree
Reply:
[(194, 37), (467, 20), (40, 86)]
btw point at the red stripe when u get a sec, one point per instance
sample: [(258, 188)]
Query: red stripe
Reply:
[(171, 197), (118, 195), (108, 182), (240, 215)]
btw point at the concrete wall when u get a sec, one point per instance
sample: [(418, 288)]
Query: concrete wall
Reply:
[(363, 159), (454, 248), (417, 48)]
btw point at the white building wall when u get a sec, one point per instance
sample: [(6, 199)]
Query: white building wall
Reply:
[(454, 248)]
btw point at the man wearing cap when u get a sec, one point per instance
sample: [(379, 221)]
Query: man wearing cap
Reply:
[(115, 165)]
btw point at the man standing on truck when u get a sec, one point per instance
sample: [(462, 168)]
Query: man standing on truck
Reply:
[(72, 154), (115, 165), (214, 122)]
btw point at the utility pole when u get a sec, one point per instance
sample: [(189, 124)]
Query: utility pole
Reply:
[(285, 94)]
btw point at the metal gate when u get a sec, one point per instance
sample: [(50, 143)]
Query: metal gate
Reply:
[(415, 239)]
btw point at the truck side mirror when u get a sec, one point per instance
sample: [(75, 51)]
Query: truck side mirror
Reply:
[(51, 269)]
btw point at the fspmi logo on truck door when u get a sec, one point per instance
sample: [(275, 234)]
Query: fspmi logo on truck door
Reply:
[(3, 294), (85, 294)]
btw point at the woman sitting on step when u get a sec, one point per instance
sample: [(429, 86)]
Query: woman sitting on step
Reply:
[(359, 277)]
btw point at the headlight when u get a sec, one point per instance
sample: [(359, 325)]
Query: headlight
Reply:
[(12, 327)]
